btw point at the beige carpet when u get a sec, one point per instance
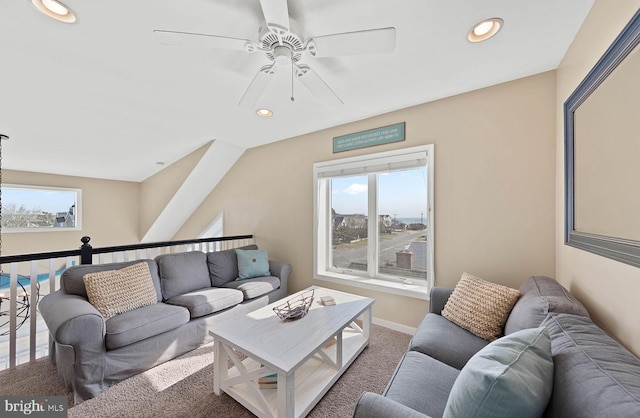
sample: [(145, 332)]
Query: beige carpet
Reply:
[(183, 387)]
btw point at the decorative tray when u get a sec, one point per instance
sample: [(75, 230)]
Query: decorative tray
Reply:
[(295, 308)]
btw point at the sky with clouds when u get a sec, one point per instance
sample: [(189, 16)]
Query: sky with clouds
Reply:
[(402, 194), (51, 201)]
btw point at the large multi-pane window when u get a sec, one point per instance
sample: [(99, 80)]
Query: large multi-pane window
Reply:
[(374, 218), (29, 208)]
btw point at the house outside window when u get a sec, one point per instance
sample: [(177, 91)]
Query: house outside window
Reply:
[(38, 209), (373, 221)]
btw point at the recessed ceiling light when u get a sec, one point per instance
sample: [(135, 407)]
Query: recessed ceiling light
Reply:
[(54, 9), (485, 29), (264, 113)]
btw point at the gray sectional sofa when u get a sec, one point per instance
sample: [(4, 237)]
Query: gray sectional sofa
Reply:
[(193, 291), (593, 375)]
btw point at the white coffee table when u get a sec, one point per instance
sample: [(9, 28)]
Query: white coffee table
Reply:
[(300, 352)]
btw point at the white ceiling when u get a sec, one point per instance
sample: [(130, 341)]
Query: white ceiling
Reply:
[(103, 98)]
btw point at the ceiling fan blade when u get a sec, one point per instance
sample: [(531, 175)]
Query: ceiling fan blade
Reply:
[(371, 41), (317, 85), (167, 37), (258, 85), (276, 14)]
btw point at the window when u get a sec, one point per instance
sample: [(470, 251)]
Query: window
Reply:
[(30, 208), (215, 230), (374, 221)]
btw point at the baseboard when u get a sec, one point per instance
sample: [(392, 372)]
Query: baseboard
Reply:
[(394, 326)]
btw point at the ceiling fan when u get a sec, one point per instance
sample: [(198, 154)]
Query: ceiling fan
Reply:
[(285, 47)]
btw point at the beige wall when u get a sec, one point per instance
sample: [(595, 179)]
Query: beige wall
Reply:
[(608, 288), (494, 185), (110, 214)]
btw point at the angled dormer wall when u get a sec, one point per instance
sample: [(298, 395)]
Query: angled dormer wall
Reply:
[(182, 188), (156, 191)]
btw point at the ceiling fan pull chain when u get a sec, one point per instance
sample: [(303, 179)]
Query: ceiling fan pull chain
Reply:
[(292, 74)]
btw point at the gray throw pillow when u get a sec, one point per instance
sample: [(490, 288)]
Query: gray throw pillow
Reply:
[(182, 272)]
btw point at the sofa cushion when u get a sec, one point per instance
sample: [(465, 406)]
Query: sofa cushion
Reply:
[(72, 283), (594, 375), (479, 306), (421, 383), (223, 265), (207, 301), (511, 377), (252, 288), (142, 323), (541, 296), (113, 292), (252, 263), (372, 405), (182, 272), (445, 341)]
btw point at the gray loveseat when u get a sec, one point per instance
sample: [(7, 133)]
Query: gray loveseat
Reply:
[(193, 291), (593, 375)]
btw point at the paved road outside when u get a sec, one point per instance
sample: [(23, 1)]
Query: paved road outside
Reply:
[(343, 257)]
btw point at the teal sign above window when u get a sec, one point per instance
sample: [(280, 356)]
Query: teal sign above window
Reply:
[(377, 136)]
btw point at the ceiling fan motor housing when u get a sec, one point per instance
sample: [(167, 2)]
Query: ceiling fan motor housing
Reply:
[(275, 52)]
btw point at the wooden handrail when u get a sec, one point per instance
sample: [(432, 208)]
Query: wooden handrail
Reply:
[(86, 250)]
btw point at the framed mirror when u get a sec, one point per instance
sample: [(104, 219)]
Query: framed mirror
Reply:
[(602, 154)]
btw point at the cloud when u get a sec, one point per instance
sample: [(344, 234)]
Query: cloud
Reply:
[(356, 188)]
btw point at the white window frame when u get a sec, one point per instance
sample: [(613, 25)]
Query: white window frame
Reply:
[(359, 165), (78, 209)]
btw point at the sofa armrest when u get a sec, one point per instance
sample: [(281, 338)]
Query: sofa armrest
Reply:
[(438, 298), (78, 331), (72, 320), (282, 271), (372, 405)]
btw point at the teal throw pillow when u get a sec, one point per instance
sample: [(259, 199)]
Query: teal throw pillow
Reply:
[(252, 263), (510, 377)]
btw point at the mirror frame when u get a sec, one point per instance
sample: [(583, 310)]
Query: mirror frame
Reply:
[(617, 248)]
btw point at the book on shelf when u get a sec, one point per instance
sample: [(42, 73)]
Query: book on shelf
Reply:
[(270, 378), (269, 381)]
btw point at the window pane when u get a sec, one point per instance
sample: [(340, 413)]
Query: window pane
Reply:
[(349, 215), (402, 223), (33, 208)]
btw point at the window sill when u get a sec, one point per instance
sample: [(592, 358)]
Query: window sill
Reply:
[(417, 290)]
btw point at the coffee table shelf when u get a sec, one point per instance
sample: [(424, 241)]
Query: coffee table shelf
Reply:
[(297, 352)]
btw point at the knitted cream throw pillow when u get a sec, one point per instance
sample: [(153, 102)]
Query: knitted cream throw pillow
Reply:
[(113, 292), (480, 307)]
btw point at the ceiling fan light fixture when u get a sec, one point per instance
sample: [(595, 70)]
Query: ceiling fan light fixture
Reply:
[(55, 10), (485, 29), (264, 113), (282, 55)]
